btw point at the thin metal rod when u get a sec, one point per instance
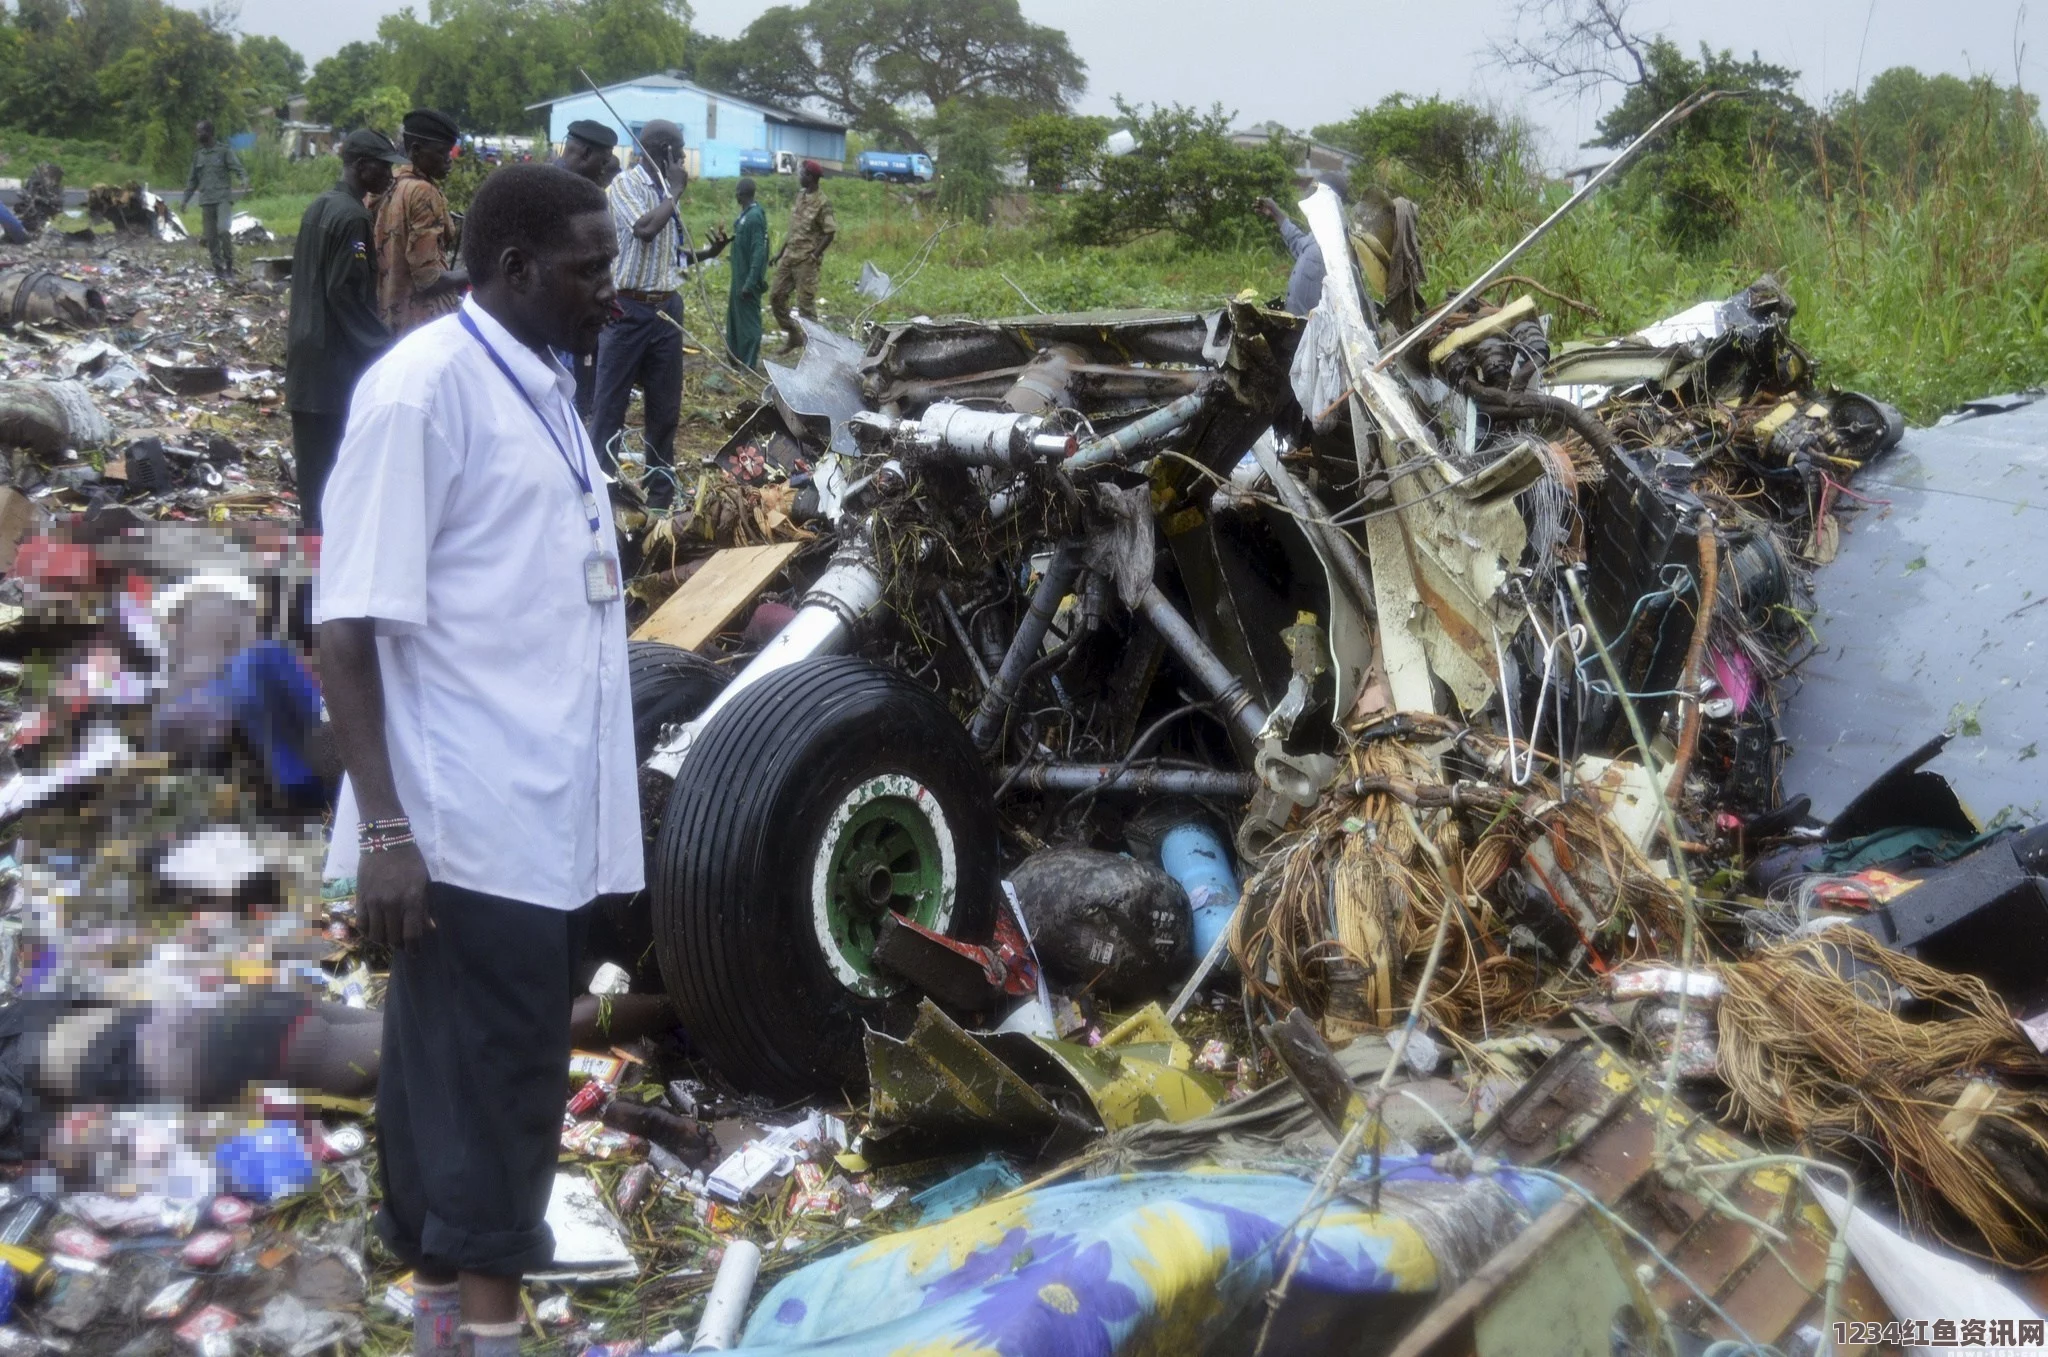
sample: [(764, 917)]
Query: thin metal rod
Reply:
[(1684, 109), (1103, 777), (1060, 572), (659, 178), (1233, 700), (1161, 422), (966, 641)]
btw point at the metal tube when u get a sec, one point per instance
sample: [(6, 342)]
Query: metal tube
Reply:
[(1060, 572), (1137, 433), (1684, 109), (850, 588), (966, 642), (1083, 777), (1233, 700)]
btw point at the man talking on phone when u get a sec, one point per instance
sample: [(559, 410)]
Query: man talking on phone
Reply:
[(643, 347)]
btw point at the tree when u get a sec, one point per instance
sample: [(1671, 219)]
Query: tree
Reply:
[(340, 83), (877, 63), (183, 69), (1701, 166), (1185, 176), (1575, 46), (968, 140), (483, 61), (1446, 141), (271, 71), (51, 86), (1903, 120), (1057, 148)]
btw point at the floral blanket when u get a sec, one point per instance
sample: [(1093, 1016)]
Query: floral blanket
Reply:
[(1143, 1263)]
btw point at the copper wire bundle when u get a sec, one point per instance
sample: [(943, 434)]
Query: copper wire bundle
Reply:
[(1345, 909), (1807, 1054)]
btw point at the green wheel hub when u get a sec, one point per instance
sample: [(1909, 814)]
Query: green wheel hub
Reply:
[(887, 849)]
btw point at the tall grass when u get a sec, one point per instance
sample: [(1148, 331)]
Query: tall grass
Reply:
[(1925, 289)]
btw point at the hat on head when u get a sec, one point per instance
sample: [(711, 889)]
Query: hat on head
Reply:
[(431, 125), (365, 144), (596, 133), (813, 167)]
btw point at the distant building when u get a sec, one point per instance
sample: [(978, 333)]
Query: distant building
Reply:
[(1308, 156), (718, 129)]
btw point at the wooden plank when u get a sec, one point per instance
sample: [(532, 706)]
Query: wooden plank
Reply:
[(710, 599)]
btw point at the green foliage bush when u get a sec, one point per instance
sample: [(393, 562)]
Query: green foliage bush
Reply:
[(1185, 177)]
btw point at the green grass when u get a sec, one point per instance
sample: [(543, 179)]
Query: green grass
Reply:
[(84, 163), (1922, 298)]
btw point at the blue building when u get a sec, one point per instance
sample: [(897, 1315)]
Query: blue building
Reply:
[(717, 128)]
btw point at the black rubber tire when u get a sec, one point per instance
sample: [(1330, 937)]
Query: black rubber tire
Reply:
[(670, 685), (732, 868)]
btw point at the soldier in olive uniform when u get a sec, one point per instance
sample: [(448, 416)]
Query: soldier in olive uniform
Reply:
[(811, 228), (212, 166)]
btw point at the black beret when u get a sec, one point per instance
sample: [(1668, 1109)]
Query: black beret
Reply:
[(365, 144), (432, 125), (596, 133)]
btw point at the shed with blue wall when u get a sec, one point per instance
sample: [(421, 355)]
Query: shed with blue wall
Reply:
[(717, 128)]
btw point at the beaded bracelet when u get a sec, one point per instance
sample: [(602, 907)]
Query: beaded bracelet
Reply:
[(377, 836)]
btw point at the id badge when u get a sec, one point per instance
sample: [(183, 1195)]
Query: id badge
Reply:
[(600, 577)]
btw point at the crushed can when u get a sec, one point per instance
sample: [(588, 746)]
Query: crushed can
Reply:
[(633, 1188), (207, 1249), (214, 1321), (75, 1241), (230, 1213)]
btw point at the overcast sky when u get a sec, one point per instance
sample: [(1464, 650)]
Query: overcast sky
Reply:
[(1303, 62)]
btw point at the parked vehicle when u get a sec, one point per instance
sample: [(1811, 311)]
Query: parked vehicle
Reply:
[(767, 162), (897, 167)]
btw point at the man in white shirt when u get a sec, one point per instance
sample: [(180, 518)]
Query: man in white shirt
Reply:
[(473, 651), (644, 346)]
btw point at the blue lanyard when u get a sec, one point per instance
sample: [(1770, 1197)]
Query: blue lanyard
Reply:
[(574, 463)]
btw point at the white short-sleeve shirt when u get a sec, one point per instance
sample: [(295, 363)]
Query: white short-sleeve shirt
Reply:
[(452, 519)]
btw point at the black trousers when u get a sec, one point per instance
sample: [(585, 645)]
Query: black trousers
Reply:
[(316, 437), (473, 1080), (641, 349)]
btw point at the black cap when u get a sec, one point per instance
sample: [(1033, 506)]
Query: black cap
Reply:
[(432, 125), (596, 133), (365, 144)]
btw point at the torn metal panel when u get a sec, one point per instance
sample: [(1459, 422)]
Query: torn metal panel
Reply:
[(1585, 1114), (1452, 553), (942, 1081), (1932, 618)]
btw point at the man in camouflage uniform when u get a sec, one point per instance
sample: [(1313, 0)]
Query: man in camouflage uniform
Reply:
[(811, 228), (415, 233), (214, 164)]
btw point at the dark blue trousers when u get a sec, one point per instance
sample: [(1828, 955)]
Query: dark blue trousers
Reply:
[(641, 349)]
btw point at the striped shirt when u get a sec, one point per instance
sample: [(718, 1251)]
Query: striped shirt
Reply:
[(642, 265)]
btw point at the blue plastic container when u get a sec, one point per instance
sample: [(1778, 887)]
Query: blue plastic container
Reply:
[(1196, 856), (266, 1162)]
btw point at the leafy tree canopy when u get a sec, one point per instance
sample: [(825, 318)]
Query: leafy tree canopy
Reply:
[(1446, 141), (878, 64)]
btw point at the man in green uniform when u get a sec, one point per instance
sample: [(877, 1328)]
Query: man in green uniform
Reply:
[(212, 164), (811, 228), (749, 278), (335, 329)]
